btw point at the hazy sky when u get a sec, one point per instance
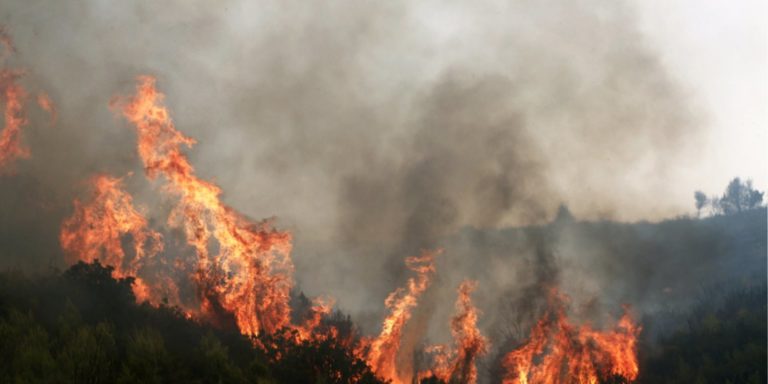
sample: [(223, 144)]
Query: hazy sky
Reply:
[(285, 97), (719, 51), (392, 124)]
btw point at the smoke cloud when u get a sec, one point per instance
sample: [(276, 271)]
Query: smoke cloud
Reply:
[(371, 130)]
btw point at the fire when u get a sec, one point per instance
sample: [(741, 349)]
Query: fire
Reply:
[(558, 351), (250, 275), (321, 307), (14, 96), (97, 228), (459, 365), (243, 268), (6, 43), (382, 351), (45, 102)]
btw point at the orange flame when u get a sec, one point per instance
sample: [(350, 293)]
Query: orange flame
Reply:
[(251, 275), (244, 268), (45, 102), (7, 44), (13, 95), (308, 330), (459, 365), (97, 228), (559, 352), (382, 351)]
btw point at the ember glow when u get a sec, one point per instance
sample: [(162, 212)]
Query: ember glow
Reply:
[(559, 351)]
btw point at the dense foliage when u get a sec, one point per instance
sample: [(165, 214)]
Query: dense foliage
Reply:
[(83, 326), (723, 340)]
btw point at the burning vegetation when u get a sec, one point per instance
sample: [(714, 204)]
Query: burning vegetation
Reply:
[(250, 276), (445, 175), (382, 352), (234, 270), (15, 98), (242, 270), (97, 228), (559, 351), (208, 265), (459, 364)]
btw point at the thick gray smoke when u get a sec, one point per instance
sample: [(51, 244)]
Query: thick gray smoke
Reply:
[(372, 130)]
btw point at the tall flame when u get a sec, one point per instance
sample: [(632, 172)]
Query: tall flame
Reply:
[(97, 228), (558, 351), (459, 365), (251, 274), (14, 96), (382, 352)]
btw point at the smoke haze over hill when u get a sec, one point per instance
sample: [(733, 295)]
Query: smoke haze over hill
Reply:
[(372, 131)]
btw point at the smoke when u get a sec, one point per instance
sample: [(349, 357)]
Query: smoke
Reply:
[(372, 130)]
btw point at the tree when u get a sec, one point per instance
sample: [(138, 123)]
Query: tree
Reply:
[(213, 362), (715, 206), (146, 360), (328, 360), (563, 215), (24, 349), (740, 196), (755, 198), (701, 201), (88, 355), (722, 341)]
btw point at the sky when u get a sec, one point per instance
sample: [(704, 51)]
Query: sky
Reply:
[(708, 59), (719, 52), (395, 124)]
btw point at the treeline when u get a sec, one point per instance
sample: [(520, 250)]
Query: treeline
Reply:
[(739, 196), (83, 326)]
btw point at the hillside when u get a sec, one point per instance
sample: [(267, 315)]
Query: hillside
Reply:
[(82, 325)]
